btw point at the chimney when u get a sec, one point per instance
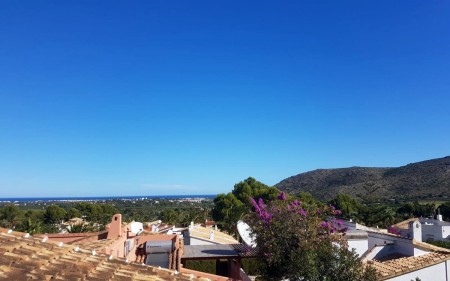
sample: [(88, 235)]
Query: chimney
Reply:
[(115, 229), (439, 216), (415, 230)]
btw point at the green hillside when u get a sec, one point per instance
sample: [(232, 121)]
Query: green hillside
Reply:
[(422, 180)]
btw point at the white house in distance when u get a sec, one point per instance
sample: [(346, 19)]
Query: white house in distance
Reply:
[(399, 258), (431, 229)]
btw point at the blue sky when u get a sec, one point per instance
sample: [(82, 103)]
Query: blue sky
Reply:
[(190, 97)]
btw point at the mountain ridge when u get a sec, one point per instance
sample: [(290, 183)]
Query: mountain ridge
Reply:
[(419, 180)]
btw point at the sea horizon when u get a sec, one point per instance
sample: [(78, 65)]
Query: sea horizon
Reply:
[(104, 198)]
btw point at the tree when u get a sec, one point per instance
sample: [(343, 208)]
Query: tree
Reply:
[(228, 210), (250, 187), (54, 214), (296, 242), (231, 207), (445, 210), (9, 215), (307, 199), (96, 213), (347, 204), (407, 210), (169, 216), (73, 213), (31, 226)]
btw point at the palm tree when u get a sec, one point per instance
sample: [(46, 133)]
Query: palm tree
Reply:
[(78, 228), (31, 226)]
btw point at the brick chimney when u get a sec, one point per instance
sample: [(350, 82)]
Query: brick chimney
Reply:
[(115, 229)]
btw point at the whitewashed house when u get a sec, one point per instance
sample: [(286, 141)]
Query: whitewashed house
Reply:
[(400, 258), (432, 229)]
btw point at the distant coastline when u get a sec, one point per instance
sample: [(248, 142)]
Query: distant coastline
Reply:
[(102, 198)]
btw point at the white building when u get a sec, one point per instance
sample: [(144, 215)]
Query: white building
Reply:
[(432, 229), (399, 258)]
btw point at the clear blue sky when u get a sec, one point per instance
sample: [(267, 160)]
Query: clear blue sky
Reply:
[(190, 97)]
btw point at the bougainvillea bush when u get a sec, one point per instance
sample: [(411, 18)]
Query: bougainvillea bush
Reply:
[(297, 242)]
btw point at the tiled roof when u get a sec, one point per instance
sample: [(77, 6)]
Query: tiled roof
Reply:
[(23, 257), (204, 233), (392, 266), (404, 224), (94, 245)]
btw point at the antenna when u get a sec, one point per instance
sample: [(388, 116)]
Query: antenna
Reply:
[(245, 233)]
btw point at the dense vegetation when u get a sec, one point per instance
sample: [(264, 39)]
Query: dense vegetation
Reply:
[(442, 244), (41, 217), (417, 181), (229, 208), (387, 214)]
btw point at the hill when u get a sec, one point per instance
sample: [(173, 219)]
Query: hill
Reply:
[(421, 180)]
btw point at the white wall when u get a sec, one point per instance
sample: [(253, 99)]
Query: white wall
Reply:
[(196, 241), (401, 246), (432, 231), (435, 229), (446, 233), (360, 246), (432, 273)]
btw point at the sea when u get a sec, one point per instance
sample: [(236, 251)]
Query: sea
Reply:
[(105, 198)]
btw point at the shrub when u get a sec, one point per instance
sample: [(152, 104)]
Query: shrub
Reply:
[(303, 243)]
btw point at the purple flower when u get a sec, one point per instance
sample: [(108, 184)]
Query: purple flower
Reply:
[(393, 230), (282, 196), (255, 205), (324, 224), (261, 203), (303, 212), (267, 217)]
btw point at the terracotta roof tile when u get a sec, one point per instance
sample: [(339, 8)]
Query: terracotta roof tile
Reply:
[(28, 258), (392, 266)]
